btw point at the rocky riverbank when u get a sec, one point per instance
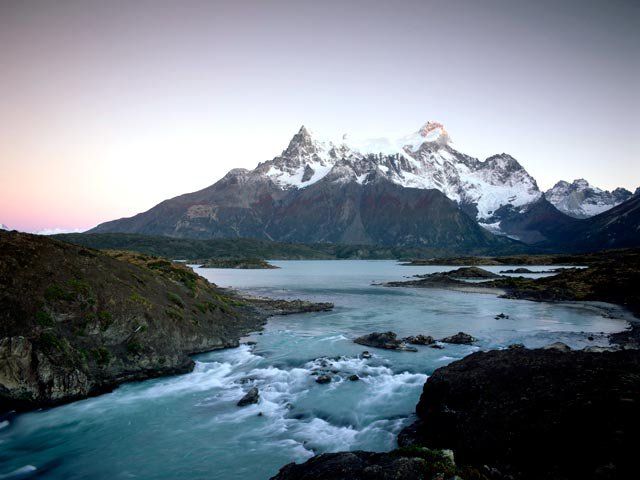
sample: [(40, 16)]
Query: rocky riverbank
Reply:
[(510, 414), (611, 277), (76, 322)]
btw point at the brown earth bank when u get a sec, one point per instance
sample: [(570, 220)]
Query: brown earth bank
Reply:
[(76, 322), (510, 414)]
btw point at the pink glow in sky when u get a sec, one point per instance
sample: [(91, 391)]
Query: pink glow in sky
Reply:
[(107, 108)]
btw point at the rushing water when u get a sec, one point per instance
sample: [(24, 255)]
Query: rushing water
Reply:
[(189, 426)]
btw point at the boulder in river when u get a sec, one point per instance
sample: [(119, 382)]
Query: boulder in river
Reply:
[(324, 378), (460, 338), (419, 340), (252, 396), (387, 340)]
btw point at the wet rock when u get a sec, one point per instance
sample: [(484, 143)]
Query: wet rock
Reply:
[(460, 338), (252, 396), (386, 340), (354, 378), (436, 346), (594, 349), (419, 340), (559, 346), (365, 355), (501, 316), (516, 346), (324, 378), (357, 466)]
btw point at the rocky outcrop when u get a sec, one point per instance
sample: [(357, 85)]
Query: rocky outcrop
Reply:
[(386, 340), (419, 340), (403, 464), (535, 413), (76, 322), (518, 270), (449, 279), (460, 338)]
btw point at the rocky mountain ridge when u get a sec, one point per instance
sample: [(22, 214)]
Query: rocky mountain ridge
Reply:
[(424, 160), (579, 199)]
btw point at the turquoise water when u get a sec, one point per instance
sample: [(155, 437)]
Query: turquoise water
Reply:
[(189, 426)]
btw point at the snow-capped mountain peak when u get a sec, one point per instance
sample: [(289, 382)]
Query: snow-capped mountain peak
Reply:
[(3, 227), (580, 199), (424, 160)]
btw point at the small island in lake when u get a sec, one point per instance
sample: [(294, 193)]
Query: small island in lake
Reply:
[(238, 263)]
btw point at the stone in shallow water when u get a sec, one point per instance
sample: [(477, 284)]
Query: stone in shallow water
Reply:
[(323, 379), (386, 340), (460, 338), (252, 396)]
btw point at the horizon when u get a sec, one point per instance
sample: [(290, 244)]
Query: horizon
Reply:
[(111, 109)]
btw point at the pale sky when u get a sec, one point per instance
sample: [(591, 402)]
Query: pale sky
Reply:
[(107, 108)]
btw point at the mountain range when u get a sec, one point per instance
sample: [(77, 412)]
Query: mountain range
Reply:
[(413, 191), (579, 199)]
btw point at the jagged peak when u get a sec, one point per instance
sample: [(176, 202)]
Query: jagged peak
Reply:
[(434, 131), (304, 131)]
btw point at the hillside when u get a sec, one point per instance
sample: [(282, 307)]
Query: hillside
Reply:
[(75, 322)]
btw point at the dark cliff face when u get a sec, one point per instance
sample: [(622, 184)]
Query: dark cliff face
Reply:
[(535, 413), (75, 322)]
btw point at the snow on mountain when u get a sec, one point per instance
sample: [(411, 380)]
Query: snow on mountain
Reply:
[(3, 227), (423, 159), (579, 199)]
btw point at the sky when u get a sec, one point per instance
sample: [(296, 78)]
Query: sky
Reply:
[(108, 108)]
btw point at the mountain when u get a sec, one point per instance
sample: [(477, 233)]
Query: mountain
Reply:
[(414, 191), (3, 227), (618, 227), (582, 200)]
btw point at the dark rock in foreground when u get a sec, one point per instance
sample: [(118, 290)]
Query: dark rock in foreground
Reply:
[(460, 338), (535, 413), (360, 466), (386, 340), (252, 396)]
